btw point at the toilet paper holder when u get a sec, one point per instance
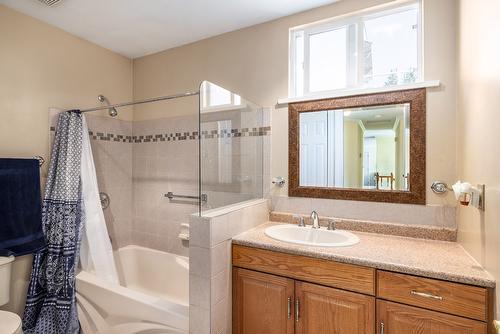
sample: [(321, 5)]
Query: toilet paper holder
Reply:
[(465, 193)]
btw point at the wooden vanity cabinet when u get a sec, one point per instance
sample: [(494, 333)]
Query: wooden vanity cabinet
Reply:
[(270, 304), (275, 293)]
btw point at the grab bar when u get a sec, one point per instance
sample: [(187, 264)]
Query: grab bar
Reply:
[(170, 195)]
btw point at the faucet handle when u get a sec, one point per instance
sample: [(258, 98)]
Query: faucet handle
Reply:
[(300, 220), (332, 225)]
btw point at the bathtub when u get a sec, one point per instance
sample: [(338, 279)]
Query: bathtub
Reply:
[(153, 295)]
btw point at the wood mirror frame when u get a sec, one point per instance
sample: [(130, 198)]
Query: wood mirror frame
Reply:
[(416, 194)]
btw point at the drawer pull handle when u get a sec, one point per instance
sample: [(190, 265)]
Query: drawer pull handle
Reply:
[(297, 304), (425, 295), (289, 301)]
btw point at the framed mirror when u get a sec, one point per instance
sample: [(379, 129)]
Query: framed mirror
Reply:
[(364, 148)]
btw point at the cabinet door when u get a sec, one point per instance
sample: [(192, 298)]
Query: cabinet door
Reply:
[(323, 310), (262, 303), (395, 318)]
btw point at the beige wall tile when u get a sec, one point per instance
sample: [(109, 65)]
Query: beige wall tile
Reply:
[(199, 291), (199, 320)]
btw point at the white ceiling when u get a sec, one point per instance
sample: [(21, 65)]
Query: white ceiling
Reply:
[(135, 28)]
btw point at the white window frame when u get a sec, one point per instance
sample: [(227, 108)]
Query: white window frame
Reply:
[(353, 22)]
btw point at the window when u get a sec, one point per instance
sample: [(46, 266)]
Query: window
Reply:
[(373, 49), (216, 98)]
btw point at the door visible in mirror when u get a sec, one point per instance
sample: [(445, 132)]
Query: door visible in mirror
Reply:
[(356, 148)]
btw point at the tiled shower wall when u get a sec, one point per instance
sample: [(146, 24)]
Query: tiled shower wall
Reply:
[(113, 164), (164, 158), (136, 164)]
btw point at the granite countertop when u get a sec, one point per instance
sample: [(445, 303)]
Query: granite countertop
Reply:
[(429, 258)]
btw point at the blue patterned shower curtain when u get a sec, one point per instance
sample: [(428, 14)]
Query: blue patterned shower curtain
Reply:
[(50, 304)]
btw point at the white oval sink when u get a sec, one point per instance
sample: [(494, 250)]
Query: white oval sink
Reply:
[(311, 237)]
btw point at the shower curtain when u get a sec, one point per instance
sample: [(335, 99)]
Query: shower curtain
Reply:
[(96, 253), (68, 205)]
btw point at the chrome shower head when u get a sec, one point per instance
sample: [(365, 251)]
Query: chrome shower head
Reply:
[(111, 111)]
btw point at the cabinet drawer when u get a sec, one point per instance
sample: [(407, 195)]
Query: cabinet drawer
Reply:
[(454, 298), (339, 275)]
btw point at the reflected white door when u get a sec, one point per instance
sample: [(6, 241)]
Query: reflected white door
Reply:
[(313, 149), (322, 148)]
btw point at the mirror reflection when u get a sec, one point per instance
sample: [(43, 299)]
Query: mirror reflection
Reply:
[(363, 148)]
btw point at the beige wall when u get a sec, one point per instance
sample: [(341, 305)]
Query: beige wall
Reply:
[(479, 118), (41, 67), (254, 63)]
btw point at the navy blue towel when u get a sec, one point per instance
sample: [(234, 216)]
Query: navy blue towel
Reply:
[(20, 208)]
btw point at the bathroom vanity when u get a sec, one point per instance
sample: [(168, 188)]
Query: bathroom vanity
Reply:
[(384, 284)]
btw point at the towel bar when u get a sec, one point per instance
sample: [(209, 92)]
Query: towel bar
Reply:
[(40, 159)]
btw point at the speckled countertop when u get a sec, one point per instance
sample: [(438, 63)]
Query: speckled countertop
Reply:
[(429, 258)]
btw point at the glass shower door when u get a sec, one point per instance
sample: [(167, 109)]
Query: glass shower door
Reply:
[(231, 148)]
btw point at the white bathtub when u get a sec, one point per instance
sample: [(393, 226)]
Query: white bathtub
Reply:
[(153, 295)]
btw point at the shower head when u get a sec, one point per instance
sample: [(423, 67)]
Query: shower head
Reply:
[(111, 111)]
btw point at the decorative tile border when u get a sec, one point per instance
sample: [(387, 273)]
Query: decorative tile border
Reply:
[(105, 136), (179, 136), (110, 137)]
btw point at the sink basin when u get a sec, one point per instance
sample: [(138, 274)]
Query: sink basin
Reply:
[(311, 237)]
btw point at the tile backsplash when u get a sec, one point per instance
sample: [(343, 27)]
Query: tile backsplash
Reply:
[(434, 215)]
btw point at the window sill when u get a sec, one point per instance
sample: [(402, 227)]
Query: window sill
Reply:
[(356, 91)]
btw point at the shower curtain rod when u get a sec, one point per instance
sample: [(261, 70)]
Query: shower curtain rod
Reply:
[(153, 99)]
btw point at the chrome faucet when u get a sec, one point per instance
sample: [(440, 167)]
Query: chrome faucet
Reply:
[(315, 219), (300, 220), (332, 225)]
